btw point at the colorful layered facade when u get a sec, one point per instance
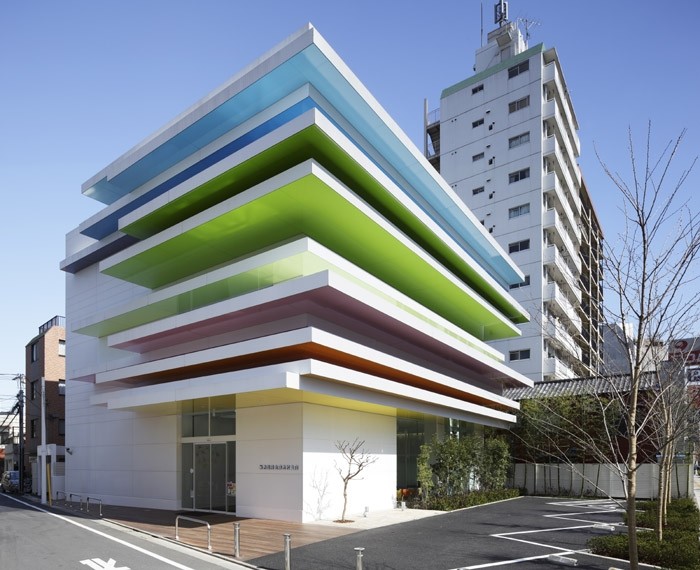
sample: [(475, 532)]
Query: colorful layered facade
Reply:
[(276, 271)]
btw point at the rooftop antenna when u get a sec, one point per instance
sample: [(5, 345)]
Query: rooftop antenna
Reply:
[(482, 24), (500, 13), (527, 24)]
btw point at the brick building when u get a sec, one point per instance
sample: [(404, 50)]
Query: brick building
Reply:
[(45, 357)]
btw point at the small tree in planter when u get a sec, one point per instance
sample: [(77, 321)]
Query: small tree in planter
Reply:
[(355, 460)]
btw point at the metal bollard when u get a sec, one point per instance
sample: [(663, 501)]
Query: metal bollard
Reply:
[(287, 552), (358, 563), (236, 540)]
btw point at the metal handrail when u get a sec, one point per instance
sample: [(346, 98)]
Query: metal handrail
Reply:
[(65, 497), (87, 508), (70, 499), (183, 517)]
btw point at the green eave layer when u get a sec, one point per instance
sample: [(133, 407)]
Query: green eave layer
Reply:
[(309, 207), (313, 142), (527, 54)]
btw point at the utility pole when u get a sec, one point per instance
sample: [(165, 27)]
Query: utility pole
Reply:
[(20, 404), (43, 441)]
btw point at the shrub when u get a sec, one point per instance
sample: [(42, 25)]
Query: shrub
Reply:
[(463, 500), (680, 548)]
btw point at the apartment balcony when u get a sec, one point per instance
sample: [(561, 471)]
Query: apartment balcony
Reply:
[(562, 307), (551, 185), (554, 124), (551, 76), (557, 334), (551, 150), (562, 235), (555, 369), (552, 258)]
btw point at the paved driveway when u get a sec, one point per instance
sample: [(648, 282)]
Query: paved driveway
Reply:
[(519, 534)]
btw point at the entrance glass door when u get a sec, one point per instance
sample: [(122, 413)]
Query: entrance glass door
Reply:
[(211, 479)]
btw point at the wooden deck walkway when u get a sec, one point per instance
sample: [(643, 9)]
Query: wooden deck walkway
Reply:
[(258, 537)]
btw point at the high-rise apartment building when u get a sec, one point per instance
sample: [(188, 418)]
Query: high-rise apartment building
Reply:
[(505, 140)]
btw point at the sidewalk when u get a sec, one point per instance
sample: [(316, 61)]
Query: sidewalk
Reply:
[(258, 537)]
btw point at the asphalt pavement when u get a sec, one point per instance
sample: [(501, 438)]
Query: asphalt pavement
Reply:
[(524, 533)]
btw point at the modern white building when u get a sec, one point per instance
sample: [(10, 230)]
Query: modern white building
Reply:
[(275, 271), (505, 140)]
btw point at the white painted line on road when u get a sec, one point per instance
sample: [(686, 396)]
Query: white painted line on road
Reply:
[(107, 536), (513, 561)]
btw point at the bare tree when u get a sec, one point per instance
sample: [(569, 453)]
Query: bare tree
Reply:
[(355, 460), (652, 280)]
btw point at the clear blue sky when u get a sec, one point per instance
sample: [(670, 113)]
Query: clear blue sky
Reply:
[(84, 81)]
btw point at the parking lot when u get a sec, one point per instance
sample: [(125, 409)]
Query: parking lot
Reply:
[(524, 533)]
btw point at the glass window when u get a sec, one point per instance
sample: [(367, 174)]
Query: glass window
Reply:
[(477, 123), (209, 416), (517, 246), (518, 175), (524, 283), (61, 387), (519, 211), (477, 157), (518, 140), (478, 190), (514, 106), (61, 427), (523, 354), (61, 347), (35, 352), (478, 88), (516, 70)]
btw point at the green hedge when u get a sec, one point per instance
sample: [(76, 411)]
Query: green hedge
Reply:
[(463, 500), (680, 548)]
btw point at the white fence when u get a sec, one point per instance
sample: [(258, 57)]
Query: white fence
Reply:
[(594, 479)]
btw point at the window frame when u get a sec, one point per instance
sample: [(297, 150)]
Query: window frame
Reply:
[(478, 190), (477, 157), (519, 68), (517, 211), (477, 89), (517, 246), (516, 141), (518, 175), (477, 123), (520, 354), (519, 104), (524, 283)]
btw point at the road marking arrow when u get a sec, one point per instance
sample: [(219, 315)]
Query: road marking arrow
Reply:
[(99, 564)]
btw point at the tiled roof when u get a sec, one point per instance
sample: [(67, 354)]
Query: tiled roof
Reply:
[(578, 387)]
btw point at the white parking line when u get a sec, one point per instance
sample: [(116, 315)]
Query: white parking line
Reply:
[(107, 536)]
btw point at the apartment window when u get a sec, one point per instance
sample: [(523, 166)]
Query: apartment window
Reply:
[(520, 139), (478, 190), (35, 352), (518, 175), (61, 347), (478, 88), (34, 389), (61, 427), (61, 387), (514, 106), (523, 354), (524, 283), (516, 70), (477, 123), (517, 246), (519, 211), (32, 429), (477, 157)]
